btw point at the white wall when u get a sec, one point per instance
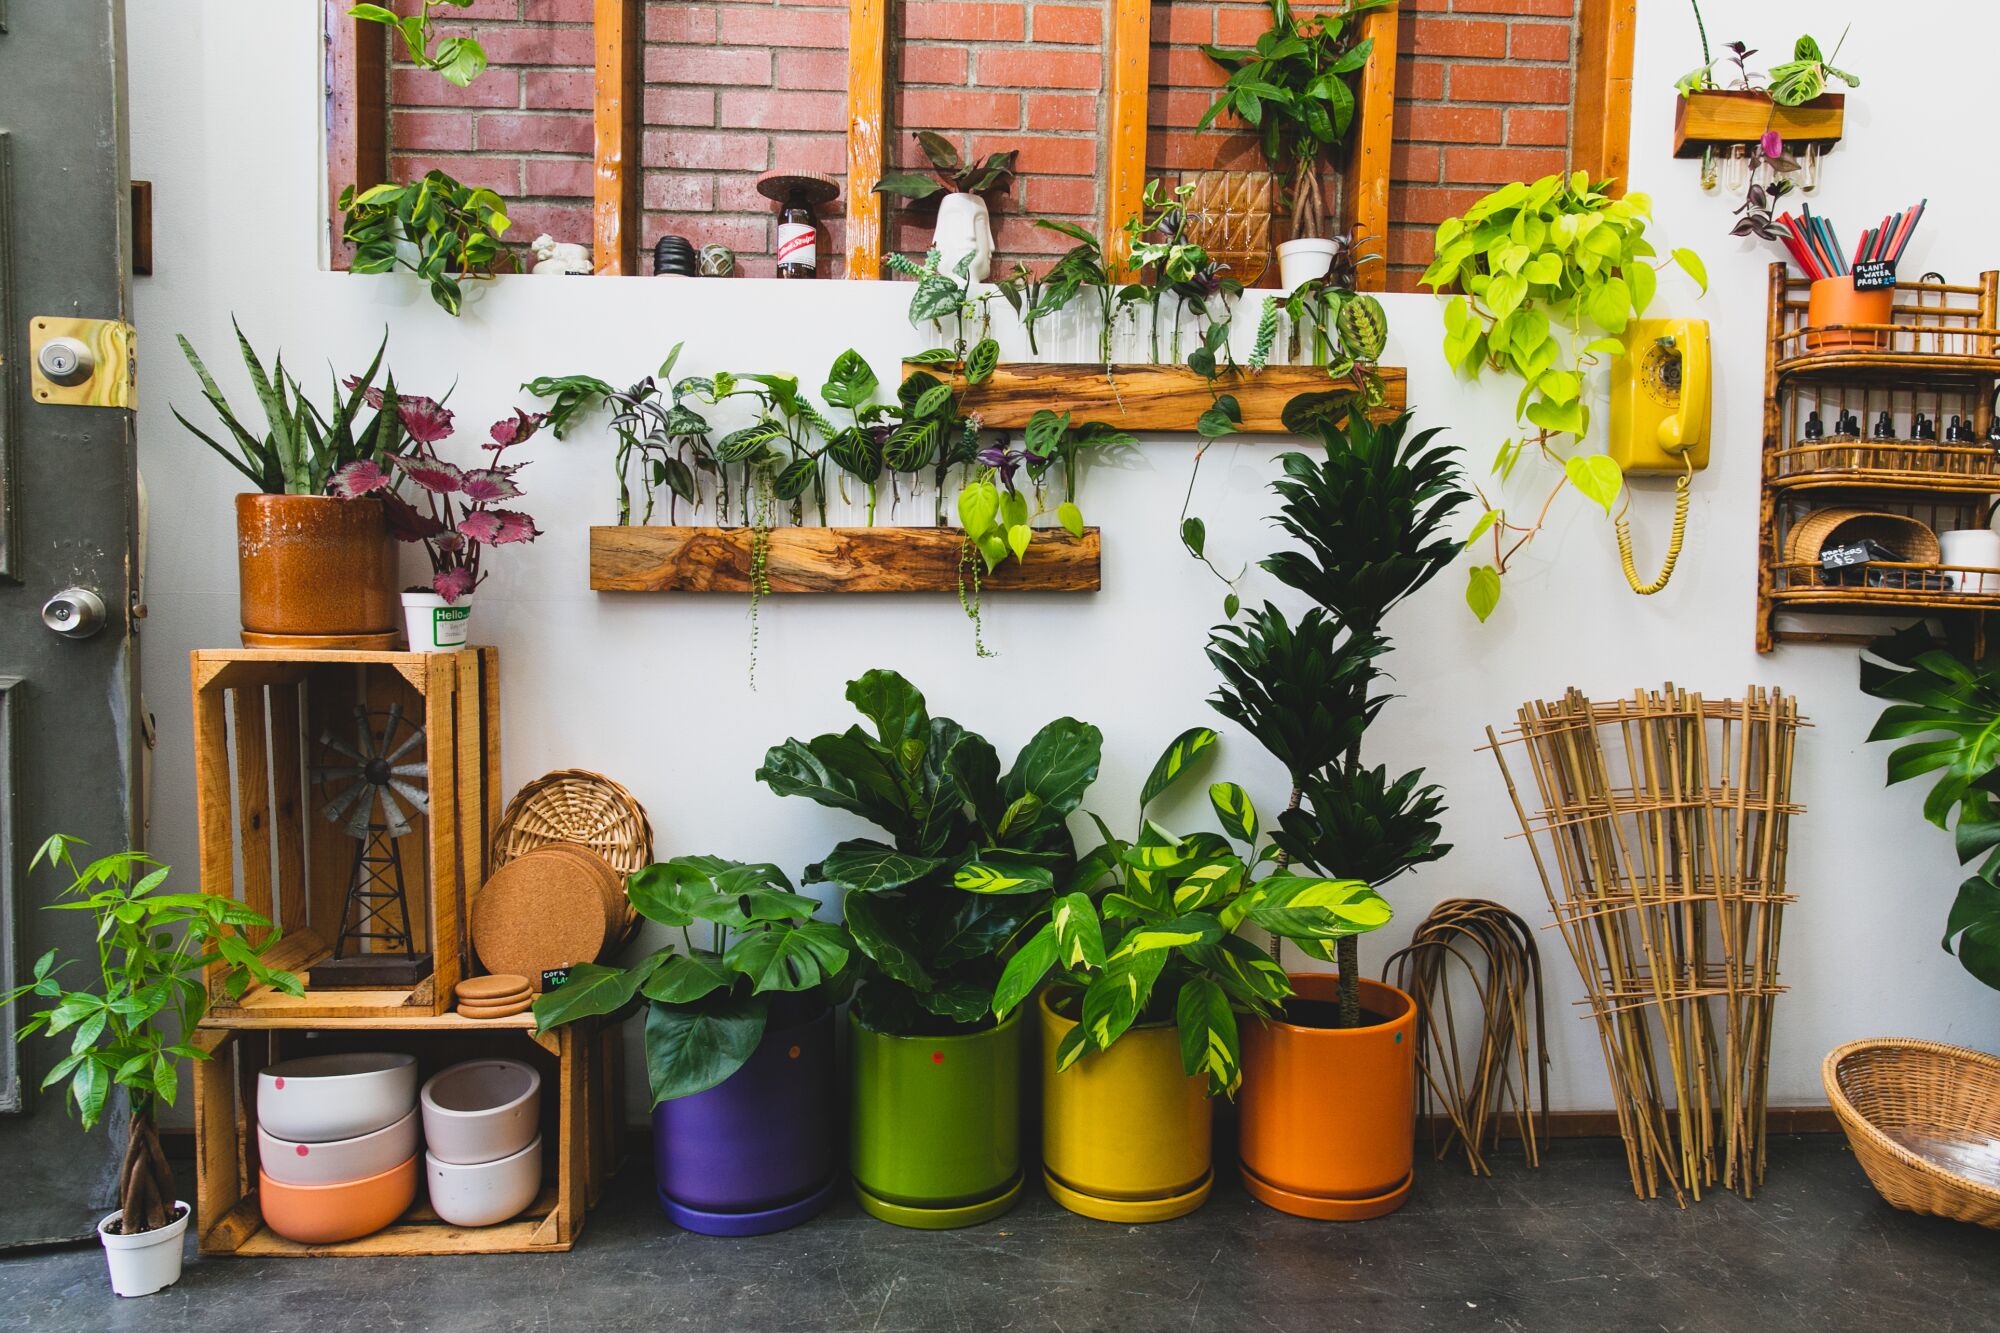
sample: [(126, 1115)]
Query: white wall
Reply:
[(653, 689)]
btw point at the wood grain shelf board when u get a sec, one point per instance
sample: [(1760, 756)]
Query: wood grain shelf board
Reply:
[(804, 559), (1716, 117), (1906, 483), (1152, 397)]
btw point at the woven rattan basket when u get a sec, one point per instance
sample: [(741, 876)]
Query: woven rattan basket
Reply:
[(1909, 539), (575, 805), (1924, 1121)]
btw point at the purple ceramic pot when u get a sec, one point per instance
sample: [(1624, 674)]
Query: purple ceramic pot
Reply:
[(755, 1153)]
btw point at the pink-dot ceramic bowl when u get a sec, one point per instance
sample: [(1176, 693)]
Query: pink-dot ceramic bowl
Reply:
[(325, 1097), (341, 1160)]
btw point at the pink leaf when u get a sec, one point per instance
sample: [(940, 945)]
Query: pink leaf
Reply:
[(481, 525), (449, 543), (516, 429), (453, 584), (485, 485), (427, 420), (433, 474), (1773, 144), (358, 478), (515, 526)]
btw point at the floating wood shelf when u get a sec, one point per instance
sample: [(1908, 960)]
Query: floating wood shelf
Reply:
[(1152, 397), (886, 559), (1719, 117)]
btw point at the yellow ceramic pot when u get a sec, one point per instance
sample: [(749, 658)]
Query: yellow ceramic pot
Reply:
[(1125, 1134)]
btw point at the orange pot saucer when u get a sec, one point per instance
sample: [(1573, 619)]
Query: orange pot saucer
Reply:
[(1327, 1210)]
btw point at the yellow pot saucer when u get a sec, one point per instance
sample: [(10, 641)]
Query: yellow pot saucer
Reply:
[(940, 1218), (1324, 1209), (1129, 1210)]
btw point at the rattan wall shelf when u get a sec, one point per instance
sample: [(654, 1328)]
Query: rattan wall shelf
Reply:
[(1938, 355)]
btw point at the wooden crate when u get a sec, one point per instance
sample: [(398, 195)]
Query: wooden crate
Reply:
[(581, 1119), (258, 714)]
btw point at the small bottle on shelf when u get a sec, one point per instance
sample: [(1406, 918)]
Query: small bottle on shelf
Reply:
[(1923, 428)]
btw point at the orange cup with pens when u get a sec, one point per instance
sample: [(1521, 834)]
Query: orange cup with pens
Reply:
[(1833, 302)]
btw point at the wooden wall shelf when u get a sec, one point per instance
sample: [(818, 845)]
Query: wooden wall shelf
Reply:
[(1717, 118), (801, 559), (1152, 397)]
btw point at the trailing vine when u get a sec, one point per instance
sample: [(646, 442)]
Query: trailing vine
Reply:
[(969, 562), (763, 504)]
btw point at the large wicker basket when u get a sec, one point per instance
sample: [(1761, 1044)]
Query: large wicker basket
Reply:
[(1924, 1122), (1910, 539)]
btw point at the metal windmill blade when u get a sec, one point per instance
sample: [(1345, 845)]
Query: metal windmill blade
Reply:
[(369, 784)]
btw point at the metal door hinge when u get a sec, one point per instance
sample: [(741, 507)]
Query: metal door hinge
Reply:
[(83, 362)]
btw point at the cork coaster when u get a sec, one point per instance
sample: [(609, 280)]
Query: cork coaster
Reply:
[(520, 1006), (541, 911), (622, 916), (498, 988)]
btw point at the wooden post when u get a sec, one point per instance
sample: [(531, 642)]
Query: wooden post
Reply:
[(1125, 171), (616, 105), (1364, 186), (867, 82), (357, 113), (1600, 132)]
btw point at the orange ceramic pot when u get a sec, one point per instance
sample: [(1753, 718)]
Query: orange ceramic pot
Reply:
[(1329, 1114), (329, 1214), (315, 565), (1834, 301)]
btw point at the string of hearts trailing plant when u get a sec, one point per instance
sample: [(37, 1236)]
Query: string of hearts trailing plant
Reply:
[(458, 60), (1543, 279)]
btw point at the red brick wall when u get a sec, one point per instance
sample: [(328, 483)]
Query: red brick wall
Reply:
[(993, 76), (734, 90), (523, 128)]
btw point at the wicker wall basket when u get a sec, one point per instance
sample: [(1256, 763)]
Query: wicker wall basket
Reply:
[(1908, 538), (1924, 1121), (575, 805)]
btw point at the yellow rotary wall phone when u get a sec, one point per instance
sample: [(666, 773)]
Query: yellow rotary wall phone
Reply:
[(1659, 422)]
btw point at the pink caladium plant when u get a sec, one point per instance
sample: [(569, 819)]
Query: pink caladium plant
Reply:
[(455, 514)]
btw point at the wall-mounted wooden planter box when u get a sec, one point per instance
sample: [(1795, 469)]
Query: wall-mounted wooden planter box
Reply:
[(1717, 118), (649, 559), (1152, 397)]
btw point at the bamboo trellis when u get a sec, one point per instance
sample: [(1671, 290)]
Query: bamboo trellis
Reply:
[(1665, 816)]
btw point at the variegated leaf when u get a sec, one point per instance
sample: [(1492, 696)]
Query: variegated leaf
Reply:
[(1233, 808), (1175, 762)]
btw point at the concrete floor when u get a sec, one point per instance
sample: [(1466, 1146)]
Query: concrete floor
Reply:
[(1563, 1248)]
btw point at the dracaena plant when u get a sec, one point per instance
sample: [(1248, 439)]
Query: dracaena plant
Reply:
[(126, 1018), (460, 515), (458, 60), (1944, 703), (1543, 280), (746, 939), (300, 449), (1371, 522), (444, 231), (1292, 89), (950, 173), (1144, 931), (931, 909)]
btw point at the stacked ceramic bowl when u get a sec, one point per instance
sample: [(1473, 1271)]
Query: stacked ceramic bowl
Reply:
[(482, 1128), (337, 1144)]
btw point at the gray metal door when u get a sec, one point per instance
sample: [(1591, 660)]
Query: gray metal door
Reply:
[(68, 501)]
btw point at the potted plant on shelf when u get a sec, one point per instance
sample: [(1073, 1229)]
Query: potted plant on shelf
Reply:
[(1139, 1028), (739, 1042), (131, 1026), (964, 226), (1328, 1105), (460, 519), (1292, 89), (1792, 101), (935, 1131), (314, 567), (443, 231)]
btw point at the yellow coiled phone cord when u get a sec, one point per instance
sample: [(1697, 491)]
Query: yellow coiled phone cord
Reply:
[(1674, 538)]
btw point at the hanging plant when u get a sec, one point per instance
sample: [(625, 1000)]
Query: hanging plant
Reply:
[(458, 60)]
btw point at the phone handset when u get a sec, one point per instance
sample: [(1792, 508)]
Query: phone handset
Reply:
[(1659, 424)]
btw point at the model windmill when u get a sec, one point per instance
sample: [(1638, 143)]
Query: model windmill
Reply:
[(372, 790)]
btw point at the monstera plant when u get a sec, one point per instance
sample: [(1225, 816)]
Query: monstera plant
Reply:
[(932, 906)]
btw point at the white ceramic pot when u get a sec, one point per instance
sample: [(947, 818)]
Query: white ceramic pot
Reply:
[(322, 1098), (481, 1194), (964, 227), (340, 1160), (148, 1262), (481, 1111), (1972, 548), (1301, 261), (434, 625)]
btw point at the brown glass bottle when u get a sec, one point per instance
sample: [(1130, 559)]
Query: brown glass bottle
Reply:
[(798, 238)]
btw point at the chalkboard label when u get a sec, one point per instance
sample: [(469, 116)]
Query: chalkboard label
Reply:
[(1872, 275), (554, 977)]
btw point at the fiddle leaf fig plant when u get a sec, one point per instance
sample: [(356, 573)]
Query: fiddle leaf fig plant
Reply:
[(1543, 279), (746, 937), (453, 229)]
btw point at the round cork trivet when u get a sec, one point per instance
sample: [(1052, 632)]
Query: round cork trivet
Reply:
[(495, 989), (520, 1006), (540, 911), (612, 884)]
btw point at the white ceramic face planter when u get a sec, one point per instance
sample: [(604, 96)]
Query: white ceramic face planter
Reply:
[(964, 227)]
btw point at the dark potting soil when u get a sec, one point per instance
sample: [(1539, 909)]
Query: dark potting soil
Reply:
[(1308, 1013)]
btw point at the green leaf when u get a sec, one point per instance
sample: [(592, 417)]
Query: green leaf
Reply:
[(981, 361), (1079, 936), (691, 1049), (1070, 517), (1234, 809), (1974, 926), (862, 865), (681, 979), (1058, 764), (1691, 264), (1117, 996), (1596, 477), (1175, 761), (592, 990), (1306, 907), (1482, 590), (880, 933), (850, 382), (1194, 536), (1209, 1043), (1004, 877), (789, 958), (1025, 970)]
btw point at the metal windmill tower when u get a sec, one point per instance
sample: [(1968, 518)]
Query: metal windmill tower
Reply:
[(371, 790)]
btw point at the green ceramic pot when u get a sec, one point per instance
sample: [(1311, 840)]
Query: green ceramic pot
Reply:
[(936, 1129)]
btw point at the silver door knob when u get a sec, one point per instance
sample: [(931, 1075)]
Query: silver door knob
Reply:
[(74, 613)]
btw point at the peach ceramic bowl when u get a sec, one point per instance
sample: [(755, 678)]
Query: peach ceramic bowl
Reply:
[(328, 1214)]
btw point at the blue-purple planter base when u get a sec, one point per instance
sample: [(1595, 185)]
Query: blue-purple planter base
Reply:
[(761, 1223)]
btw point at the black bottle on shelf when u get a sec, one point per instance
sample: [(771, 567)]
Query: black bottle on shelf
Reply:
[(1815, 428), (1885, 429)]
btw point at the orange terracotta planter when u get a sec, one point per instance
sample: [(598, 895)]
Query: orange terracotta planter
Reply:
[(1833, 301), (1329, 1114), (313, 566)]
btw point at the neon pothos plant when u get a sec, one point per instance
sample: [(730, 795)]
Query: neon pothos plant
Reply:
[(1370, 522), (126, 1021), (1145, 931), (454, 230), (746, 938), (1946, 707), (459, 60), (1543, 280), (932, 909)]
